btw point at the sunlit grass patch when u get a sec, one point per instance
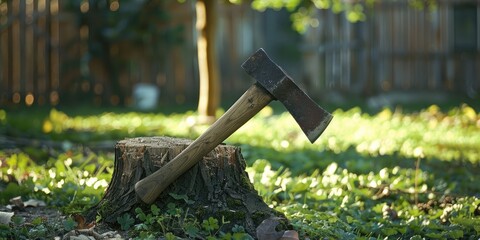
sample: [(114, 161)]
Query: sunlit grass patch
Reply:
[(343, 205), (68, 180), (386, 175)]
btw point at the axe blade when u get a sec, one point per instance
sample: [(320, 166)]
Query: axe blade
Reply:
[(312, 118)]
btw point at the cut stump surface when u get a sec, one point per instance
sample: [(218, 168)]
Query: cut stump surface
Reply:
[(217, 186)]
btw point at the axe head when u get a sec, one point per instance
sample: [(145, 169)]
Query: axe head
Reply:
[(312, 118)]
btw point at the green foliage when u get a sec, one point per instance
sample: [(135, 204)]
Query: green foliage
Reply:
[(71, 182), (125, 221), (303, 12), (387, 175), (110, 125), (69, 224), (340, 204), (211, 224), (449, 136), (177, 223), (37, 228), (3, 116)]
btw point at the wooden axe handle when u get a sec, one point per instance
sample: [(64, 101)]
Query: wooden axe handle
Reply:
[(249, 104)]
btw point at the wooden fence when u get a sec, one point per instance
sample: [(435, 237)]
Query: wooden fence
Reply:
[(397, 48), (29, 63), (44, 53), (45, 57)]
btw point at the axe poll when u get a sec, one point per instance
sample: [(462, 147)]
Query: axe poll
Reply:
[(272, 83)]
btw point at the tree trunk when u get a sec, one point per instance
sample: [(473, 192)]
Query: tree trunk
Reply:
[(217, 186), (209, 97)]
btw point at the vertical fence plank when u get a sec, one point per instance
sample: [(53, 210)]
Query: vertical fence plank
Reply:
[(22, 68), (4, 43), (10, 49), (16, 81), (372, 52), (34, 27), (41, 54), (54, 41), (47, 51)]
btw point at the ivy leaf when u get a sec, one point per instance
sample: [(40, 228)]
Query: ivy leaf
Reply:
[(155, 210), (170, 236), (141, 226), (434, 235), (69, 224), (37, 221), (125, 221), (389, 231), (211, 224), (455, 234), (173, 210), (191, 230), (238, 229), (140, 214)]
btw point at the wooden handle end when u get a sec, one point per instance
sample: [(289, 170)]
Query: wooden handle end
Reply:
[(149, 188)]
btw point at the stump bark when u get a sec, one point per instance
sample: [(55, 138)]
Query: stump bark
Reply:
[(217, 186)]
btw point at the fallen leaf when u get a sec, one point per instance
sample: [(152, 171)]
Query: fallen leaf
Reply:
[(266, 229), (17, 202), (5, 217), (34, 203), (82, 223)]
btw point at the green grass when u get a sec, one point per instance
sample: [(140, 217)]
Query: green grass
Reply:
[(369, 176)]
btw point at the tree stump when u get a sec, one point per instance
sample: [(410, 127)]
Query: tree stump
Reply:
[(217, 186)]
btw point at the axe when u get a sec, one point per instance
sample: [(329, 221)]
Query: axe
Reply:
[(272, 84)]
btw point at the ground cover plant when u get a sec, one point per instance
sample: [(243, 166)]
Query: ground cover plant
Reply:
[(391, 174)]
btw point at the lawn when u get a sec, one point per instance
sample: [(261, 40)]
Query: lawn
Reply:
[(390, 174)]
